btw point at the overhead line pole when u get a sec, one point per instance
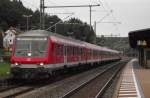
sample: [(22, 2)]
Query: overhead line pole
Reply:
[(42, 9), (90, 16)]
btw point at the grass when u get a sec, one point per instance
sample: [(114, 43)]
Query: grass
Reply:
[(4, 69)]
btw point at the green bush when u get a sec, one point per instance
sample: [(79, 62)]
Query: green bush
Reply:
[(4, 69), (1, 52)]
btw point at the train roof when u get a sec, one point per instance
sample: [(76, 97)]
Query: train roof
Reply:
[(100, 48), (110, 50), (35, 33), (93, 46), (64, 40), (54, 37)]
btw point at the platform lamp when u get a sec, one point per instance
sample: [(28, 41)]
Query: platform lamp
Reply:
[(142, 43), (27, 16)]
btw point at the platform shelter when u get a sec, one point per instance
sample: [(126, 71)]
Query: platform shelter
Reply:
[(140, 40)]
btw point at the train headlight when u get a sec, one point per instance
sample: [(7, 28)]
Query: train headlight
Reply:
[(16, 64), (41, 64), (29, 54)]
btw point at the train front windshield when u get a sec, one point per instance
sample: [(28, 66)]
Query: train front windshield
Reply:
[(31, 47)]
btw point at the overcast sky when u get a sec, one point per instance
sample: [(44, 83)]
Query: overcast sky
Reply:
[(126, 15)]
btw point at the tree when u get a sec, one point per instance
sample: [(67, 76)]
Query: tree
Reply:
[(11, 13), (77, 29)]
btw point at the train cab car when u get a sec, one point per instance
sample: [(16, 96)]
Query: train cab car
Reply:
[(30, 53)]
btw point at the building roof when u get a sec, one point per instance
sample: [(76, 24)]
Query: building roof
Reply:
[(135, 36)]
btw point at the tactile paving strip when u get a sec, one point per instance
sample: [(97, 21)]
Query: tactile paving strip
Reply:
[(128, 87)]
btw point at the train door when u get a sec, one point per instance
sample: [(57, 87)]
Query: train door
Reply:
[(80, 54), (65, 54)]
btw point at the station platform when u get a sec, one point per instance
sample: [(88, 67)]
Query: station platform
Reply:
[(134, 82)]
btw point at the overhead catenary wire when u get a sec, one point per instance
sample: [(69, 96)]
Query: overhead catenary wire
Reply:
[(60, 13), (107, 9), (59, 21), (66, 10), (104, 17)]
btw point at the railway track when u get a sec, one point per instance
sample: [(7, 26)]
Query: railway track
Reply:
[(95, 87), (78, 85), (9, 83), (11, 91), (9, 87)]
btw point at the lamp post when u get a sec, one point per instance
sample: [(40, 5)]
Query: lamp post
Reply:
[(27, 16)]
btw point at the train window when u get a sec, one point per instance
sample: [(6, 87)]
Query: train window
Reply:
[(99, 53), (35, 46), (94, 53), (62, 49), (103, 53), (58, 50), (81, 51), (76, 50), (68, 50), (73, 51), (90, 52), (65, 50), (55, 49)]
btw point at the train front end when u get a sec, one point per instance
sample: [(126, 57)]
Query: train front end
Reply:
[(29, 56)]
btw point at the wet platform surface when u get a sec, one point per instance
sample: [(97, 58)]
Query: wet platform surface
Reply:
[(129, 85), (143, 77)]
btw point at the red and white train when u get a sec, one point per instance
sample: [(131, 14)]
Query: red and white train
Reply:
[(39, 52)]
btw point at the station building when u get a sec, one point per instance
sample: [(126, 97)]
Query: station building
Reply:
[(140, 40)]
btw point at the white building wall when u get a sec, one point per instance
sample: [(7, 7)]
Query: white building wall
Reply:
[(9, 37)]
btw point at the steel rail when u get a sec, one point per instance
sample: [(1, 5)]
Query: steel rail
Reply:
[(101, 92), (73, 91), (20, 92)]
